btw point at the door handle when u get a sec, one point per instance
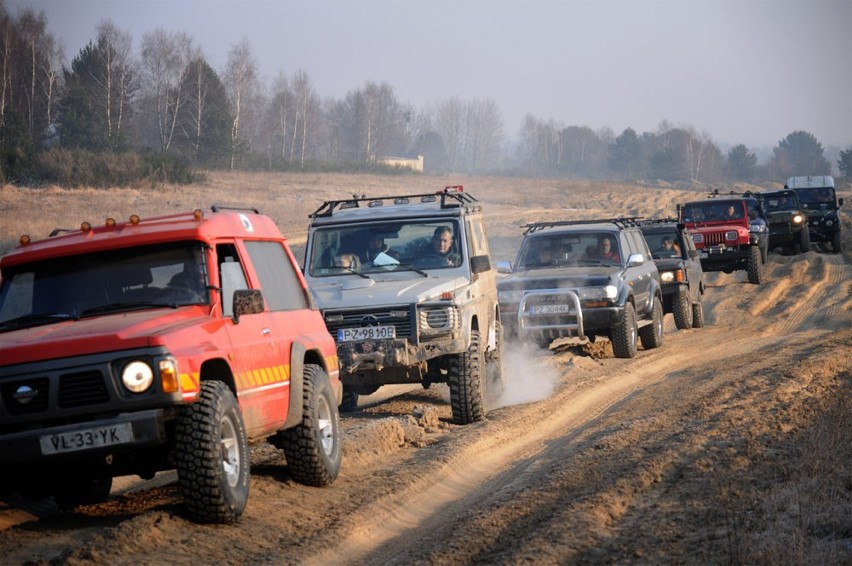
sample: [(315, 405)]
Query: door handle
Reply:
[(266, 332)]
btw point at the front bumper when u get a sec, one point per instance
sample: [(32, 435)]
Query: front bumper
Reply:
[(562, 316), (377, 355), (89, 440)]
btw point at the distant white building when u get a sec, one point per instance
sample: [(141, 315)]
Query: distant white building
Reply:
[(413, 163)]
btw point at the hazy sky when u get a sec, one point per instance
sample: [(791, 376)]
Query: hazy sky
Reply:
[(743, 71)]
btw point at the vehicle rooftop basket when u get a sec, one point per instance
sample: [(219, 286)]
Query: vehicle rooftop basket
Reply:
[(625, 222), (452, 196)]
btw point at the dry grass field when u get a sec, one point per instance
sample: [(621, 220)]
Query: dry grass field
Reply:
[(731, 444)]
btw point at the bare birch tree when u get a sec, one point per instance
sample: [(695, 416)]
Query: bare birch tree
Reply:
[(241, 84), (165, 57)]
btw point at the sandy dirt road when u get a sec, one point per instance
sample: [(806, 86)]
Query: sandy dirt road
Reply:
[(685, 454)]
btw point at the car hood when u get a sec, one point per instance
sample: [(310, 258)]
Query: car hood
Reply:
[(354, 292), (668, 263), (112, 332), (558, 277)]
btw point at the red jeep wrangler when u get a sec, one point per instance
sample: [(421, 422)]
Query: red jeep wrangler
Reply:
[(162, 343), (730, 232)]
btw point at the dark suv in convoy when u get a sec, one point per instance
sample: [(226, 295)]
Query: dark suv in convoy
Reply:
[(788, 228), (730, 231), (681, 276), (583, 278), (821, 206)]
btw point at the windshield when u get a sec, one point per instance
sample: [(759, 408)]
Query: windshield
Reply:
[(714, 210), (396, 246), (663, 244), (575, 249), (781, 203), (104, 282), (822, 197)]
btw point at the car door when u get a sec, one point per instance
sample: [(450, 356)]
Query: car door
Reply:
[(257, 359), (641, 275)]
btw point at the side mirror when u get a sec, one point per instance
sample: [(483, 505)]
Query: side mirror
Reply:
[(840, 201), (634, 260), (480, 263), (247, 301), (504, 266), (693, 254), (752, 215)]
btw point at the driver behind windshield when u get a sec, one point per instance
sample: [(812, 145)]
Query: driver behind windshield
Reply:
[(442, 246)]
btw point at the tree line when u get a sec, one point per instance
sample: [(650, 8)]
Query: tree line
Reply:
[(119, 113)]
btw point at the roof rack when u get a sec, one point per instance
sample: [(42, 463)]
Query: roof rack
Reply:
[(452, 196), (716, 194), (648, 221), (624, 222)]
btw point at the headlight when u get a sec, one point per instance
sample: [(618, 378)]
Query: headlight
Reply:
[(797, 219), (698, 238), (596, 293), (510, 296), (666, 276), (137, 376), (829, 222), (731, 235), (443, 318)]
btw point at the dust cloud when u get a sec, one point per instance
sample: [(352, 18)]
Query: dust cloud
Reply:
[(527, 377)]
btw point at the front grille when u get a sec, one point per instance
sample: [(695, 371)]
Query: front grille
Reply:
[(82, 389), (713, 238), (336, 320), (36, 390)]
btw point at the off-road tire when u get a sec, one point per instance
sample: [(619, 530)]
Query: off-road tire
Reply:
[(465, 381), (697, 315), (624, 334), (72, 492), (804, 240), (755, 266), (350, 400), (494, 365), (212, 456), (652, 334), (312, 447), (682, 311), (836, 244)]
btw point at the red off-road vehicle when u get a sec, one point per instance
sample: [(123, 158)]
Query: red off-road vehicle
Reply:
[(731, 233), (160, 343)]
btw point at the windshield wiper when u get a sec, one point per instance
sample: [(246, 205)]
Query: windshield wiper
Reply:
[(412, 268), (114, 307), (36, 319)]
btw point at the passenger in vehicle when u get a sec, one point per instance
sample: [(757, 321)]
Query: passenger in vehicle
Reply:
[(442, 245), (668, 248), (543, 256), (347, 260), (377, 245), (606, 251)]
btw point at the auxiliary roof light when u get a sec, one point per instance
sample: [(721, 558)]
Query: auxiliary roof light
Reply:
[(134, 219), (197, 214), (110, 223), (25, 239), (86, 227)]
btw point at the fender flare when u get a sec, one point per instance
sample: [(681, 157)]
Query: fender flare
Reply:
[(297, 377)]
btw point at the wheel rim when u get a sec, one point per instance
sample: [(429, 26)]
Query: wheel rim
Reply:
[(325, 426), (230, 452)]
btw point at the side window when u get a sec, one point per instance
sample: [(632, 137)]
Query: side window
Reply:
[(231, 276), (278, 280), (637, 244), (478, 238)]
